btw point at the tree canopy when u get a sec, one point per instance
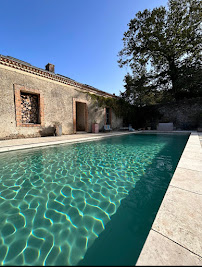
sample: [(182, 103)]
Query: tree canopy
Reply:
[(163, 49)]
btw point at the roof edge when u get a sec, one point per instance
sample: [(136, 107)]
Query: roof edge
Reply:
[(27, 67)]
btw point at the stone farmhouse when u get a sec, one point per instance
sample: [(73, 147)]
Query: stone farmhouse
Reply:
[(34, 100)]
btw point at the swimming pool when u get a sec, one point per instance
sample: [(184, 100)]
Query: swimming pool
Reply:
[(89, 203)]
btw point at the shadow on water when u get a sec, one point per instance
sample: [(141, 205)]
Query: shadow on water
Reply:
[(124, 236)]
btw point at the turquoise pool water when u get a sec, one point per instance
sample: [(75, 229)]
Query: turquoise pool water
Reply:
[(91, 203)]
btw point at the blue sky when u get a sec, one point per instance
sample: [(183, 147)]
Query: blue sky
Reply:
[(81, 38)]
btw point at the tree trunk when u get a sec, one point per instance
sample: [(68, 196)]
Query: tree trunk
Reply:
[(174, 77)]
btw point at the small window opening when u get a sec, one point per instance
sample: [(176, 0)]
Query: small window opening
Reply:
[(29, 108)]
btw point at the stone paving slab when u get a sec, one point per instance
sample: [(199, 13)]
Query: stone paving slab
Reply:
[(176, 234), (192, 155), (12, 142), (25, 143), (159, 250), (180, 219), (190, 164), (193, 149), (188, 180)]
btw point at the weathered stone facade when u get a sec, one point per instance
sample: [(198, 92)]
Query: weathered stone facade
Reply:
[(32, 100)]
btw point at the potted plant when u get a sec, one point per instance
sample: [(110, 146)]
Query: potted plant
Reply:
[(95, 127)]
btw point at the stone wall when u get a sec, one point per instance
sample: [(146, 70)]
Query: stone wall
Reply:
[(57, 106), (185, 114)]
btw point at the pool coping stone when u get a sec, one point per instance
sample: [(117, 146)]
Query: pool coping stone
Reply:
[(175, 237), (26, 143)]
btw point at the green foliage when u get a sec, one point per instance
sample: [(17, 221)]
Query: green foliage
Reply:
[(139, 93), (163, 49), (118, 105)]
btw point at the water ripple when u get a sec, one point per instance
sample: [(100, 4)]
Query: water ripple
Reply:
[(54, 202)]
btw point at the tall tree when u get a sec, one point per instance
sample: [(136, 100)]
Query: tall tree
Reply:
[(166, 42)]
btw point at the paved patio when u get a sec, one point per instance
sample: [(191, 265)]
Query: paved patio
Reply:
[(16, 144), (176, 234)]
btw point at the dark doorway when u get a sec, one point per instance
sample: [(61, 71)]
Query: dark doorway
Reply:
[(80, 116)]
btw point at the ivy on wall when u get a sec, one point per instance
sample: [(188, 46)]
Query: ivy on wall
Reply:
[(114, 103)]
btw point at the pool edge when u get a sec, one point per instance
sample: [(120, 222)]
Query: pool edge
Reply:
[(27, 143), (176, 234), (69, 139)]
